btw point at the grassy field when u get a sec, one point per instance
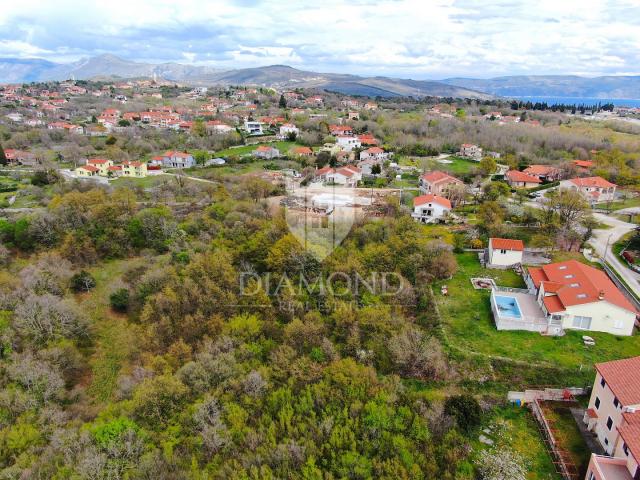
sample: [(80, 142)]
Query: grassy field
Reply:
[(619, 205), (515, 428), (114, 335), (469, 329), (459, 165), (245, 149), (145, 182)]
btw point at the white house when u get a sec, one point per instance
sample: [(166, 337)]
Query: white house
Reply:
[(577, 296), (430, 208), (253, 128), (613, 415), (439, 183), (374, 153), (349, 176), (595, 189), (504, 252), (287, 129), (348, 143), (265, 151), (172, 159), (470, 150)]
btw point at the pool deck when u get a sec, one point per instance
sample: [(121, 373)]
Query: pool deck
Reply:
[(532, 317)]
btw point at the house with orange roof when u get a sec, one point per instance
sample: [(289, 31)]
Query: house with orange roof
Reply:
[(504, 252), (519, 179), (266, 152), (543, 172), (340, 130), (87, 171), (576, 296), (613, 415), (301, 152), (374, 153), (470, 150), (349, 175), (438, 183), (134, 169), (594, 189), (583, 164), (102, 164), (430, 208)]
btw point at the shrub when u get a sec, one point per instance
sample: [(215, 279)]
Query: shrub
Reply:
[(120, 300), (465, 409), (82, 281)]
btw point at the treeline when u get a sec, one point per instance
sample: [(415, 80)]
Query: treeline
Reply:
[(562, 107)]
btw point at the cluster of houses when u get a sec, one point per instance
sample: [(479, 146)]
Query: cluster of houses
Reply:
[(559, 296), (100, 167)]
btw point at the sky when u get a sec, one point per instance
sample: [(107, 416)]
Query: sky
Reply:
[(404, 38)]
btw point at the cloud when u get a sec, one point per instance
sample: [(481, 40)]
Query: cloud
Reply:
[(410, 38)]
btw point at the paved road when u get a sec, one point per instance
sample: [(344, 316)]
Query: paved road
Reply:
[(604, 239)]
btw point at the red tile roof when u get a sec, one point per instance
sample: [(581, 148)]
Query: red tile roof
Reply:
[(97, 161), (516, 176), (437, 176), (583, 163), (539, 170), (581, 284), (430, 198), (630, 432), (623, 378), (507, 244), (374, 150), (598, 182)]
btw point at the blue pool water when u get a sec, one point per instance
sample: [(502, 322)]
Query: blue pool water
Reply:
[(508, 306)]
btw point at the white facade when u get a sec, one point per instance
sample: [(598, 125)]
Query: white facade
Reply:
[(429, 212), (253, 128), (348, 143)]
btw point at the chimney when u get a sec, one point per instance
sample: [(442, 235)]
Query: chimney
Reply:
[(601, 295)]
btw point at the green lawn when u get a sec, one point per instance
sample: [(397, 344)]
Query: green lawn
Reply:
[(114, 335), (628, 203), (459, 165), (283, 146), (470, 330), (144, 182)]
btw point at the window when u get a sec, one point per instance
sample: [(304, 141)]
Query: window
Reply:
[(562, 267), (503, 251), (574, 285), (625, 449), (597, 403), (591, 476), (582, 322), (569, 276), (602, 382), (616, 402), (581, 295), (618, 323), (609, 423)]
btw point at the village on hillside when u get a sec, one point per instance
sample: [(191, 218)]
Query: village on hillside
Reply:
[(509, 231)]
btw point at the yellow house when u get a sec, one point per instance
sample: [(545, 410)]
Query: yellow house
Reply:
[(134, 169), (87, 171), (101, 164)]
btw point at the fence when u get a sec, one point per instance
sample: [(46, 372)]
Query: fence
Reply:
[(613, 275)]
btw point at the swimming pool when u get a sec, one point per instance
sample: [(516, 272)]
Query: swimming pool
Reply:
[(507, 306)]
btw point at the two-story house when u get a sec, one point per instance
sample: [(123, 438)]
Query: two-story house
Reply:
[(504, 252), (439, 183), (430, 208), (594, 189), (519, 179), (613, 415), (172, 159)]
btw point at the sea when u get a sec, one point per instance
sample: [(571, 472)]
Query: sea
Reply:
[(587, 101)]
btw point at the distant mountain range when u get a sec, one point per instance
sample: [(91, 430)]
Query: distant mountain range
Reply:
[(13, 70), (554, 86)]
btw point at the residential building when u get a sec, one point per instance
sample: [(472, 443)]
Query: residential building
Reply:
[(267, 152), (374, 153), (20, 157), (594, 189), (253, 128), (172, 159), (573, 295), (348, 143), (87, 171), (287, 129), (504, 252), (101, 164), (216, 126), (430, 208), (470, 150), (543, 172), (349, 176), (519, 179), (367, 139), (340, 130), (439, 183), (134, 169), (301, 152), (583, 164), (613, 415)]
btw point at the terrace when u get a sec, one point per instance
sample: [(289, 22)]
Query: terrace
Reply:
[(517, 309)]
